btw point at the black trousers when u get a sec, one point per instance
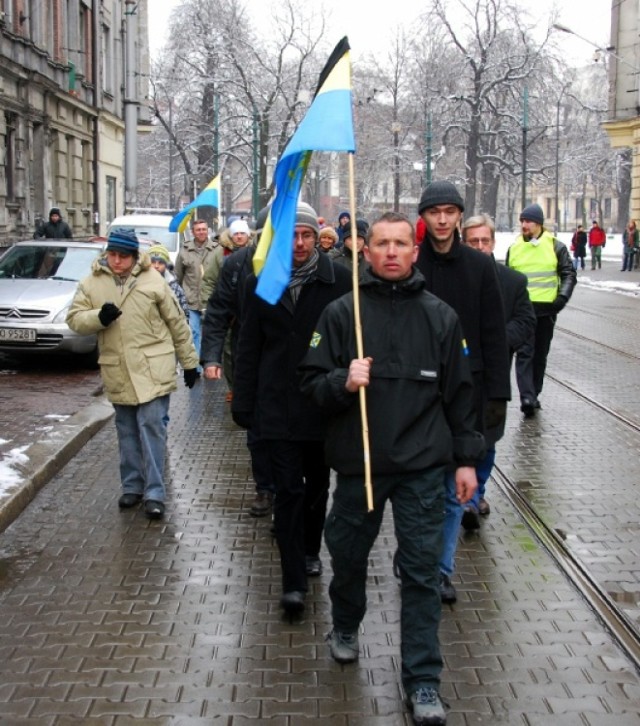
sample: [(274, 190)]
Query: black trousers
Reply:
[(302, 489)]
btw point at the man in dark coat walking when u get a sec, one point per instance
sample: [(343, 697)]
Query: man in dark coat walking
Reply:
[(55, 228), (479, 232), (266, 398), (466, 280)]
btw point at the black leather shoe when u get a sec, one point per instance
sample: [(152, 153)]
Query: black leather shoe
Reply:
[(448, 593), (528, 408), (128, 500), (154, 509), (470, 518), (292, 602), (313, 566)]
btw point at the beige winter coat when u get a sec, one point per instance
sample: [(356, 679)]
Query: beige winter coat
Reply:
[(190, 266), (138, 350)]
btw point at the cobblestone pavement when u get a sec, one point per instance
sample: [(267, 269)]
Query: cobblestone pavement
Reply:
[(107, 618)]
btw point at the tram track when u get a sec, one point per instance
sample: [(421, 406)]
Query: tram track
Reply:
[(592, 341), (617, 624)]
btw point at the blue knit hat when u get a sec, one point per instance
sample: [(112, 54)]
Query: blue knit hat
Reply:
[(123, 240)]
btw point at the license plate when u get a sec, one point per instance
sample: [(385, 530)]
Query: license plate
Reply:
[(17, 335)]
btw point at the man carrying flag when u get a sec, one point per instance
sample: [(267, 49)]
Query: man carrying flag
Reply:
[(266, 399)]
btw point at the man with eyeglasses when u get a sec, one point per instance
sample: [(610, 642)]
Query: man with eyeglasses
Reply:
[(273, 340), (479, 232)]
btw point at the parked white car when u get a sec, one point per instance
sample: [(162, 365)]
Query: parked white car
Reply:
[(151, 228)]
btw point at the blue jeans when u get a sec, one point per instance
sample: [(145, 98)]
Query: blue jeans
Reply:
[(453, 512), (417, 503), (142, 437), (483, 472), (195, 323)]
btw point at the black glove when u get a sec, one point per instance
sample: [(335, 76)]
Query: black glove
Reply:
[(244, 419), (495, 413), (191, 375), (559, 303), (108, 313)]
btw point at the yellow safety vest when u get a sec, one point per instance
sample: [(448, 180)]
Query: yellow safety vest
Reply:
[(540, 264)]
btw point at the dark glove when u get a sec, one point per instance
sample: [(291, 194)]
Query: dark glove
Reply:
[(108, 313), (191, 375), (495, 413), (244, 419), (559, 303)]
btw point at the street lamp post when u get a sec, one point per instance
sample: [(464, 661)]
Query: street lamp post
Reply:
[(525, 121), (557, 185)]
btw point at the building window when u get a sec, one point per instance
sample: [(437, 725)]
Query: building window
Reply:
[(10, 156), (607, 207), (579, 208), (111, 198), (549, 214), (107, 59), (593, 208)]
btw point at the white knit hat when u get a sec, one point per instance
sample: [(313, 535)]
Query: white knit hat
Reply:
[(238, 225)]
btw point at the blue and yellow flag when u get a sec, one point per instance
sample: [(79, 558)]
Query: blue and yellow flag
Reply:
[(327, 126), (208, 197)]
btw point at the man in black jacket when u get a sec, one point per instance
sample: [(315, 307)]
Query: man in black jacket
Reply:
[(479, 232), (222, 318), (55, 228), (266, 398), (465, 279), (421, 422)]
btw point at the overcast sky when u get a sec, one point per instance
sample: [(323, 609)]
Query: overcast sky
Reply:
[(366, 30)]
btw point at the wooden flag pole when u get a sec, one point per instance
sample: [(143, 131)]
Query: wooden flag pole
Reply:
[(358, 330)]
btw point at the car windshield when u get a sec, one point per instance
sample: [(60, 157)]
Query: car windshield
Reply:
[(34, 262), (160, 235)]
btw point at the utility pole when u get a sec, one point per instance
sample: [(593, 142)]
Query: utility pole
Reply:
[(428, 140), (216, 133), (130, 105), (525, 121), (254, 196)]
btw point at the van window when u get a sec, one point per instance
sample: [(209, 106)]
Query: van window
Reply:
[(160, 235)]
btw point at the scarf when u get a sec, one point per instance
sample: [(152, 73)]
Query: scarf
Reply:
[(301, 275)]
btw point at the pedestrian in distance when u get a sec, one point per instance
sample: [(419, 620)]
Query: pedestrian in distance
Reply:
[(344, 221), (220, 330), (191, 263), (479, 232), (55, 228), (266, 398), (421, 422), (466, 280), (141, 329), (630, 245), (597, 242), (551, 279), (579, 247), (351, 251)]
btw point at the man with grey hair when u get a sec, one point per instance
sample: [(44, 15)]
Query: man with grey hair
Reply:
[(266, 398), (479, 232)]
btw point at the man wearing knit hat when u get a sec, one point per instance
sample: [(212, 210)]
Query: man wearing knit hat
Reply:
[(266, 398), (550, 281), (220, 329), (465, 279), (141, 329)]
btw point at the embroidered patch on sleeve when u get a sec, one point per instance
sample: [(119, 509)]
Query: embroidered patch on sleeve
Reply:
[(465, 349), (315, 340)]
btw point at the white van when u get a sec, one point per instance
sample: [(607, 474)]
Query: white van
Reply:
[(151, 228)]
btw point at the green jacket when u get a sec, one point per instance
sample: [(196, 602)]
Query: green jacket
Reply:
[(190, 267), (138, 350)]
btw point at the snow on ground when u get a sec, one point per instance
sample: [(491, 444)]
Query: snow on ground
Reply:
[(10, 477)]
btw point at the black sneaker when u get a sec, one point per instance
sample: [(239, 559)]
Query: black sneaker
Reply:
[(262, 504), (528, 408), (344, 647), (427, 708), (448, 593), (313, 566), (154, 509), (129, 499)]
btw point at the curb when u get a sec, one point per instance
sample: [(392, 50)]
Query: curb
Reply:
[(47, 457)]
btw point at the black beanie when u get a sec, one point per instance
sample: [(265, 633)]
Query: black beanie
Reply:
[(440, 192), (533, 213), (361, 229)]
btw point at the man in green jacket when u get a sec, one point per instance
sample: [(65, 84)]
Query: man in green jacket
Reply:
[(141, 329)]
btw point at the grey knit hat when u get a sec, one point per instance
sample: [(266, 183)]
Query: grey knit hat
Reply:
[(533, 213), (306, 216), (440, 192)]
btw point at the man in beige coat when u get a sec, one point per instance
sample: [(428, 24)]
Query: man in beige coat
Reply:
[(141, 329)]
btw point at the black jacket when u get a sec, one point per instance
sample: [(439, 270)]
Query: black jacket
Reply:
[(466, 279), (224, 308), (273, 340), (420, 398), (51, 230), (518, 310)]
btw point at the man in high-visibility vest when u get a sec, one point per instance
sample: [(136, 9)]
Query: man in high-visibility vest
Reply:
[(550, 281)]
